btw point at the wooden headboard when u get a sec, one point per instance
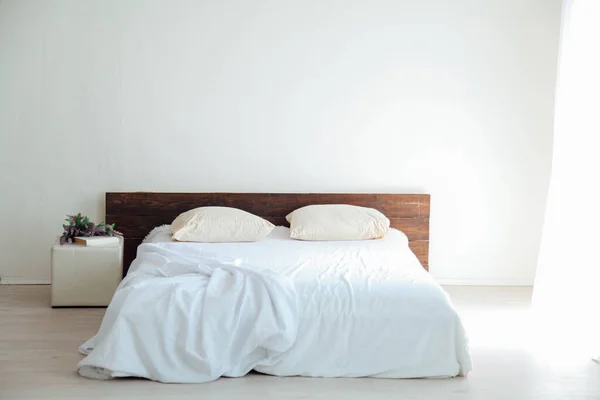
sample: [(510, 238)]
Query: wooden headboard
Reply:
[(136, 213)]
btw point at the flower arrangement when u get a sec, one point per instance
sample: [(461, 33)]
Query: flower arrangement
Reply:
[(79, 225)]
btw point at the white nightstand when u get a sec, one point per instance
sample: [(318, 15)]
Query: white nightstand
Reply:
[(85, 275)]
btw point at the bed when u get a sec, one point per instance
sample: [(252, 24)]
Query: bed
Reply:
[(192, 312)]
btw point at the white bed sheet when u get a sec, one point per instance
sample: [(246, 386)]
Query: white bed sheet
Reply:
[(363, 308)]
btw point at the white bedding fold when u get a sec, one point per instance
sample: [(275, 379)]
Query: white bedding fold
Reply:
[(192, 321)]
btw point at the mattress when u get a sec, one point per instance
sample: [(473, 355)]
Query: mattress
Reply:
[(343, 309)]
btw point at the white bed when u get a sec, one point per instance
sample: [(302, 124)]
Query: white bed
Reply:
[(191, 312)]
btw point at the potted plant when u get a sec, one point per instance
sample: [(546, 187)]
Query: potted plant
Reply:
[(80, 225)]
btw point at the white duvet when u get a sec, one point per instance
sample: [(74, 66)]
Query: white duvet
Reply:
[(192, 312)]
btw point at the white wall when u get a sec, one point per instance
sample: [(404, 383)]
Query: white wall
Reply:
[(449, 98)]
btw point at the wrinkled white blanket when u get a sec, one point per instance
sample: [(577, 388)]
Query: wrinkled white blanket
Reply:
[(191, 312), (180, 320)]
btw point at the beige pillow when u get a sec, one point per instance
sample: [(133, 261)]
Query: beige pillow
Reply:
[(337, 222), (219, 224)]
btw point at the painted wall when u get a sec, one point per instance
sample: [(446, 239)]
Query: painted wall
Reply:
[(449, 98)]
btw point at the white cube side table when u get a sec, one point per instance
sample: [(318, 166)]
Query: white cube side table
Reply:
[(85, 275)]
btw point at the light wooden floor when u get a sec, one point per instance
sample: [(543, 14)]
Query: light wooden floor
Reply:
[(38, 354)]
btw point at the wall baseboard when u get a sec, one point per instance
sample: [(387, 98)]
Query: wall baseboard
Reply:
[(7, 280), (483, 282)]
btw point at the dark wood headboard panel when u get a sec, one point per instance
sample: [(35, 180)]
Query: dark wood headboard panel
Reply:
[(136, 213)]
